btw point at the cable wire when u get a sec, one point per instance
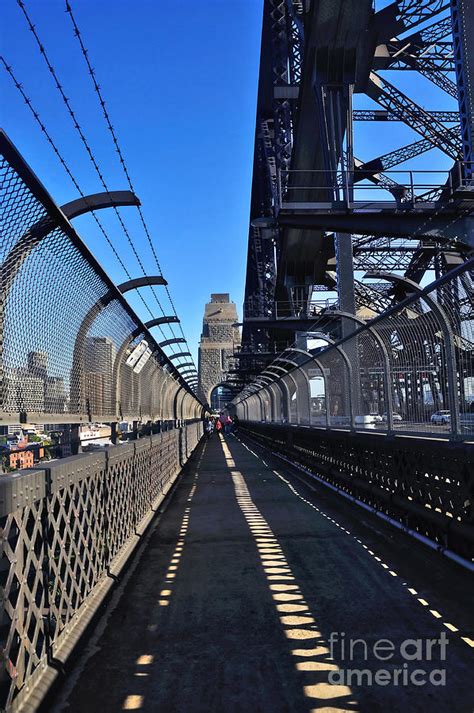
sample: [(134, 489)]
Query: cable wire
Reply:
[(87, 147), (62, 160), (120, 155)]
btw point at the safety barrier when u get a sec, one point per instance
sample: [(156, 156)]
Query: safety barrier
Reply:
[(67, 532), (409, 369), (356, 189), (425, 485), (71, 347)]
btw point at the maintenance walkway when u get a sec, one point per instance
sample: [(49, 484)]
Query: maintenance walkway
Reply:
[(247, 585)]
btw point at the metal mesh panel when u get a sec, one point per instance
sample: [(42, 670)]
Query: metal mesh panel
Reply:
[(120, 498), (419, 482), (417, 365), (128, 384), (24, 589), (456, 301), (337, 381), (64, 530), (292, 397), (318, 415), (65, 331), (100, 348), (411, 369), (372, 378), (77, 543)]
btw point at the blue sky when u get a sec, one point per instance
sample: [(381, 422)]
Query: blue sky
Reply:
[(180, 80)]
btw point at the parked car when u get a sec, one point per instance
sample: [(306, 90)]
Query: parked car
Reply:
[(376, 417), (441, 418), (395, 417)]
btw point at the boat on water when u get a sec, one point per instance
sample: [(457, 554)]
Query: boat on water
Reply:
[(93, 431)]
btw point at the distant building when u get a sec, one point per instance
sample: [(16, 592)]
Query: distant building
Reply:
[(32, 390), (38, 364), (25, 427), (99, 360), (21, 459), (55, 396), (219, 340), (99, 355), (25, 391), (25, 456)]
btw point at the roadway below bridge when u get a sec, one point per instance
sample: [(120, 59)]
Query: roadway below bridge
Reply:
[(245, 589)]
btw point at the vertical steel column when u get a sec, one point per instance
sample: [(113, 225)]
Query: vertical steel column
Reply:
[(327, 395), (295, 383), (286, 400), (271, 397), (346, 295), (263, 412), (462, 18), (277, 400)]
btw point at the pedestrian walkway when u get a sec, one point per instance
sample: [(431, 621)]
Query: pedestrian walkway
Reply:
[(249, 593)]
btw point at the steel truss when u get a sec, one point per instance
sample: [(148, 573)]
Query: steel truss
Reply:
[(308, 77)]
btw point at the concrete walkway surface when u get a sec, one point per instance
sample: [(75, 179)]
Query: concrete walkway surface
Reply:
[(256, 593)]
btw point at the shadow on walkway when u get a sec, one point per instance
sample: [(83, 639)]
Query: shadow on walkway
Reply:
[(241, 602)]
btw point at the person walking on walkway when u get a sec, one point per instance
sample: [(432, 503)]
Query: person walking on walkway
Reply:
[(209, 428), (227, 424)]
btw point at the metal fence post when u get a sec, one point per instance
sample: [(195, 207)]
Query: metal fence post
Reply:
[(327, 395)]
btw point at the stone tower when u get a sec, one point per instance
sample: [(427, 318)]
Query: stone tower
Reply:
[(219, 340)]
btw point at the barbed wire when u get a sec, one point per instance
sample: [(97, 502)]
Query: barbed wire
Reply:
[(113, 134), (62, 160), (87, 147)]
